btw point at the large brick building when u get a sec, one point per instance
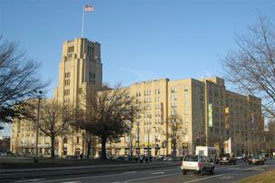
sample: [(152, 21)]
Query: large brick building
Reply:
[(208, 113)]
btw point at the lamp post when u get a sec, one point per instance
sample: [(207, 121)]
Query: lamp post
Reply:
[(37, 125)]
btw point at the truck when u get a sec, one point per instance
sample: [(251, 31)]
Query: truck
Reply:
[(209, 152)]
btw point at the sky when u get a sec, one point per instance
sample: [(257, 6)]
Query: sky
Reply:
[(140, 39)]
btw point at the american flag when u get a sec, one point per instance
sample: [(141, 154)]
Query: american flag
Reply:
[(88, 8)]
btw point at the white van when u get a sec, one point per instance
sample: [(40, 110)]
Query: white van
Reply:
[(209, 152)]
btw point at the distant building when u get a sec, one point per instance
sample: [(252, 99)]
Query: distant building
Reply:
[(209, 114)]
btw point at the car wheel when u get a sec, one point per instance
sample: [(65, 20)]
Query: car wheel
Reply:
[(212, 171)]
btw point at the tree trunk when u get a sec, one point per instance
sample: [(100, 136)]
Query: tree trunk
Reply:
[(89, 147), (103, 147), (52, 146)]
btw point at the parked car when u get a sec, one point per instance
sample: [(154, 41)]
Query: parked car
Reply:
[(199, 164), (256, 160), (239, 157), (228, 159), (3, 154), (167, 158)]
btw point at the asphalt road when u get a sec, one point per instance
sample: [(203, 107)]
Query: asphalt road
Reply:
[(223, 173)]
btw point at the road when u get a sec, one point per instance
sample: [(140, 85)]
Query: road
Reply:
[(223, 173)]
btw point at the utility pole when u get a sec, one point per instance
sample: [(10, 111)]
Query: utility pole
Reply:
[(206, 111)]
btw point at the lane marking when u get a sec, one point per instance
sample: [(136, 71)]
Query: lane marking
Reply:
[(196, 180), (129, 172), (30, 180), (258, 169), (155, 173), (146, 178), (99, 176), (227, 177), (72, 182), (234, 168)]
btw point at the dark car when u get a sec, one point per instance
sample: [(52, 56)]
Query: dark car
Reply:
[(227, 159)]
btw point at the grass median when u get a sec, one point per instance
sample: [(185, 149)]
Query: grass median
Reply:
[(266, 177)]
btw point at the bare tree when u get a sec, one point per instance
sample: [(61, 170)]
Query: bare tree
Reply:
[(252, 66), (18, 80), (55, 120), (90, 141), (108, 115), (175, 131)]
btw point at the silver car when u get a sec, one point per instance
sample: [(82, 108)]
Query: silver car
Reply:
[(199, 164)]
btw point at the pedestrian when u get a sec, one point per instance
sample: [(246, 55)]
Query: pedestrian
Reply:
[(81, 155)]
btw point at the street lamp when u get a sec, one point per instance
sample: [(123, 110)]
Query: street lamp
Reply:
[(39, 93)]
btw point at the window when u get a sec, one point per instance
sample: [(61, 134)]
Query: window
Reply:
[(147, 92), (174, 112), (174, 100), (70, 49), (173, 90), (77, 140), (90, 50), (186, 96), (91, 77), (67, 92), (66, 100), (186, 89), (67, 74), (157, 91), (67, 82), (186, 130)]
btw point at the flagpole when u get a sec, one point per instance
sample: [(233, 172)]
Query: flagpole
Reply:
[(82, 26)]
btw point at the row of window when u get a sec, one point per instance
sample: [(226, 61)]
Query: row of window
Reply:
[(174, 90), (148, 92)]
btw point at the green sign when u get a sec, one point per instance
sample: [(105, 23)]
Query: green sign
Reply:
[(210, 115)]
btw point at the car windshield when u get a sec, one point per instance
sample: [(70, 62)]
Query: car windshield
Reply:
[(191, 158)]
